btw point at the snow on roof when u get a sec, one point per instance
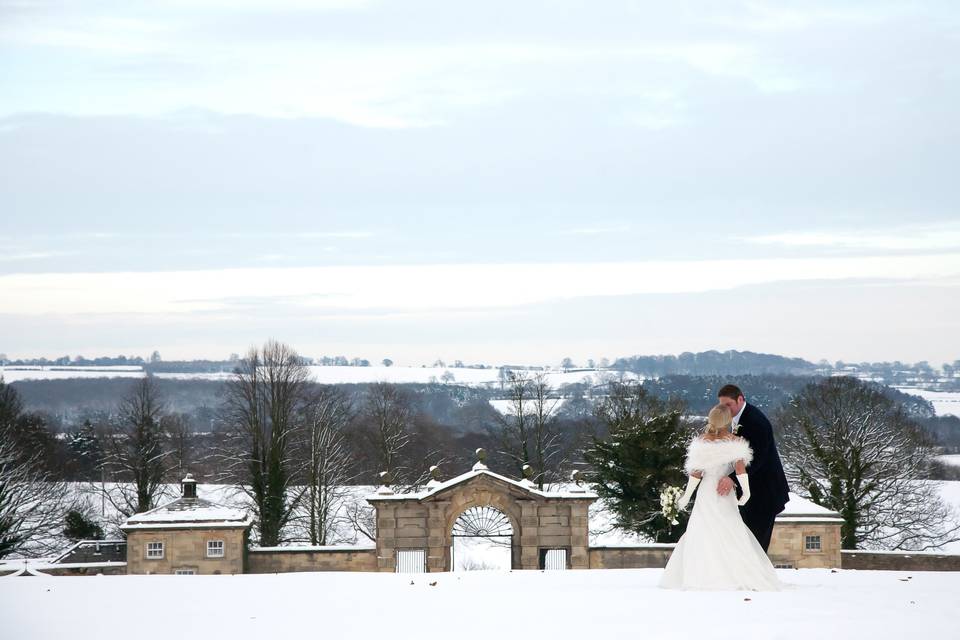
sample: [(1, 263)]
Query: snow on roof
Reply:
[(478, 470), (191, 513), (319, 548), (802, 508)]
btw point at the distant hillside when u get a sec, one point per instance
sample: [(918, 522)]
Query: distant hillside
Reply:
[(714, 363)]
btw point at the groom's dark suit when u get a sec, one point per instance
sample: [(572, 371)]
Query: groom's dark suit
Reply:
[(768, 484)]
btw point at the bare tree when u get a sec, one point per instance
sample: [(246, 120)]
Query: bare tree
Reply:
[(514, 426), (32, 504), (176, 426), (547, 448), (136, 458), (263, 408), (851, 449), (362, 517), (389, 416), (329, 464)]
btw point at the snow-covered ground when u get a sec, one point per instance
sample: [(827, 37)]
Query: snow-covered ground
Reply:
[(944, 402), (326, 375), (520, 604), (952, 459)]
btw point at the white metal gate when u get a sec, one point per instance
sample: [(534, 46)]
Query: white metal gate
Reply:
[(411, 561), (554, 559)]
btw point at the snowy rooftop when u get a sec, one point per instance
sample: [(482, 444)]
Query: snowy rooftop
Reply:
[(479, 469), (189, 513), (799, 507)]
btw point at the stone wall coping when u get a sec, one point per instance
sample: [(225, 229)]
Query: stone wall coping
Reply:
[(810, 519), (464, 477), (40, 566), (648, 545), (906, 554), (313, 549)]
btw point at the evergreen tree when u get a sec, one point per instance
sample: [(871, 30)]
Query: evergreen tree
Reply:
[(77, 526), (642, 455)]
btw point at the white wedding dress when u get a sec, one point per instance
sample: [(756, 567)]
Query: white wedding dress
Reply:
[(718, 551)]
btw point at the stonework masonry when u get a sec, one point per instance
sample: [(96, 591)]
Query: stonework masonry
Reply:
[(901, 561), (538, 522), (283, 561), (789, 545), (185, 549)]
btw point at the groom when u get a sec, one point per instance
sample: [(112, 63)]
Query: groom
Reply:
[(768, 484)]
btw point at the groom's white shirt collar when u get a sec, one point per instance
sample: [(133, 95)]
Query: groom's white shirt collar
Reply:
[(736, 418)]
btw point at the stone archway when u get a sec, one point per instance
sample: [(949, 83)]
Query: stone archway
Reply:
[(481, 539), (417, 528)]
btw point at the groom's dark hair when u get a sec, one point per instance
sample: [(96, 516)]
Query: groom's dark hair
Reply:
[(730, 391)]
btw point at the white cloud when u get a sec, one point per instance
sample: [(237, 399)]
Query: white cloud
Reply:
[(596, 231), (432, 287), (909, 238), (33, 255)]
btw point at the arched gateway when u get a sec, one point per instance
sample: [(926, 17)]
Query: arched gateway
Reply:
[(546, 529)]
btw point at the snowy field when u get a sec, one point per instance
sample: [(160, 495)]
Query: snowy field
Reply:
[(327, 375), (944, 402), (952, 459), (523, 604)]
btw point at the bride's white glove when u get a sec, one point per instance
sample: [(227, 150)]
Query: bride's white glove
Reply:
[(692, 482), (744, 481)]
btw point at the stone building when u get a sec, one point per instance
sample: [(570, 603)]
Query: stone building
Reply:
[(806, 536), (188, 536), (543, 529)]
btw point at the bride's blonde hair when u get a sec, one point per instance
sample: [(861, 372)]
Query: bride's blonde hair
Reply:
[(719, 420)]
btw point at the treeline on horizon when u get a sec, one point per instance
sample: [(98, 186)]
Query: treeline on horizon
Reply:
[(460, 412), (688, 363)]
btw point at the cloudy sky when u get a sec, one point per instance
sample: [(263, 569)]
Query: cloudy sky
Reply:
[(494, 182)]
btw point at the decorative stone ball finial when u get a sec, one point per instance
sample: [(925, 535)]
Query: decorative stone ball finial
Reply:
[(386, 479), (527, 471), (481, 456), (577, 477), (435, 472)]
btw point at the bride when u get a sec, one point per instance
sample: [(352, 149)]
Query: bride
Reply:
[(718, 551)]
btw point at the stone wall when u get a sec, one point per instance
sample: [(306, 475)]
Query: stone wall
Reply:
[(106, 569), (904, 561), (646, 557), (76, 569), (788, 545), (186, 549), (294, 560)]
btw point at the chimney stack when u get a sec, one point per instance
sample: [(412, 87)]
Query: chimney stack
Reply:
[(189, 487)]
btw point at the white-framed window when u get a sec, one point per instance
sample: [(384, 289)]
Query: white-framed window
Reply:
[(812, 544), (154, 550), (214, 548), (184, 572)]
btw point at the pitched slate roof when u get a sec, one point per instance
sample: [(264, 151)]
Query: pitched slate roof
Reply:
[(189, 513)]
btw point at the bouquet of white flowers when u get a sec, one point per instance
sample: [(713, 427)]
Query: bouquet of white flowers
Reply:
[(669, 498)]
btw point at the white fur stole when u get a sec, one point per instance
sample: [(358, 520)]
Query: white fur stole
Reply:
[(708, 454)]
